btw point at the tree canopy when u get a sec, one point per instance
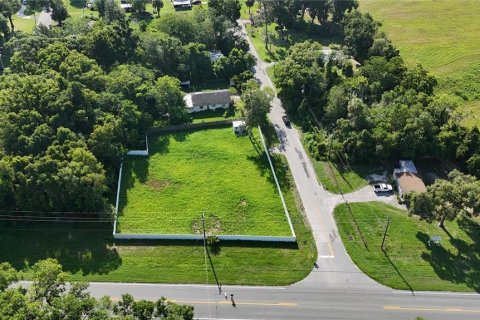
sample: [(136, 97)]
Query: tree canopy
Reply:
[(47, 298)]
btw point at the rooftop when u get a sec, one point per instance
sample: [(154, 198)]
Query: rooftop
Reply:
[(197, 99)]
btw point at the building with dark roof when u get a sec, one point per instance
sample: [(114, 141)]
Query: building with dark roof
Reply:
[(209, 100)]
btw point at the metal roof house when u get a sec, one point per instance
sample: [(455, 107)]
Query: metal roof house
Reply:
[(210, 100), (407, 178)]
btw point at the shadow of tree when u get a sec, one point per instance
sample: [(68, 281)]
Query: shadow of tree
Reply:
[(84, 248), (462, 267), (280, 166)]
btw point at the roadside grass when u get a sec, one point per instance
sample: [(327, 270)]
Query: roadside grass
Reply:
[(443, 37), (88, 252), (409, 262), (348, 180), (209, 171), (270, 74), (215, 115), (244, 15)]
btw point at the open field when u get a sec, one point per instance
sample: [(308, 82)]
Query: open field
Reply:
[(410, 263), (88, 253), (441, 35), (209, 171)]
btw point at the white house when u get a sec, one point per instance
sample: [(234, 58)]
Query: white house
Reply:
[(210, 100), (407, 178)]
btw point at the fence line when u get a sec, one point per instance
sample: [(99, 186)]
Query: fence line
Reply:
[(276, 182), (189, 126), (119, 184)]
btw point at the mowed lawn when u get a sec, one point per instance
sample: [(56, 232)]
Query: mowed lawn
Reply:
[(410, 263), (88, 252), (443, 36), (209, 171)]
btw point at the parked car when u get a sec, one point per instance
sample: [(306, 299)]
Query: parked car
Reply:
[(286, 121), (382, 187)]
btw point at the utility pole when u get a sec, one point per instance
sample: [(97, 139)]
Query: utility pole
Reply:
[(385, 234)]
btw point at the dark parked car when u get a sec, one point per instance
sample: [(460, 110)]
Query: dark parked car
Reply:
[(286, 121)]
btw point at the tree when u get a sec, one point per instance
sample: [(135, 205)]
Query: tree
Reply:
[(113, 13), (139, 5), (48, 280), (249, 4), (59, 11), (47, 298), (235, 63), (230, 9), (100, 7), (4, 29), (7, 275), (360, 30), (339, 7), (256, 105), (8, 8), (169, 103), (447, 199), (157, 5)]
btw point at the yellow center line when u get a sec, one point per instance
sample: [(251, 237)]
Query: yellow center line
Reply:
[(432, 309), (272, 304)]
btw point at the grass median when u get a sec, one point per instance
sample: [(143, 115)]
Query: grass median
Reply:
[(409, 262)]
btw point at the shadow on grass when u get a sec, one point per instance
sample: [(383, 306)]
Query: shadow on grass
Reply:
[(85, 248), (398, 272), (80, 4), (199, 243), (280, 166), (135, 168), (460, 268)]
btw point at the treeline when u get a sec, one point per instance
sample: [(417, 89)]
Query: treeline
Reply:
[(382, 110), (47, 298), (75, 97)]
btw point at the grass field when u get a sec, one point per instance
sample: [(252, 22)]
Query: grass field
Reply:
[(347, 180), (209, 171), (409, 262), (88, 253), (443, 36)]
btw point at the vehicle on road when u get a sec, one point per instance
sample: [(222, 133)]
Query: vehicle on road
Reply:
[(287, 122), (382, 187)]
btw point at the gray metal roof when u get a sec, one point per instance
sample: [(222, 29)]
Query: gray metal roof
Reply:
[(210, 98)]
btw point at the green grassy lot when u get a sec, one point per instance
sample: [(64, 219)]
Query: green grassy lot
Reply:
[(211, 171), (88, 252), (442, 36), (409, 262), (348, 180)]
